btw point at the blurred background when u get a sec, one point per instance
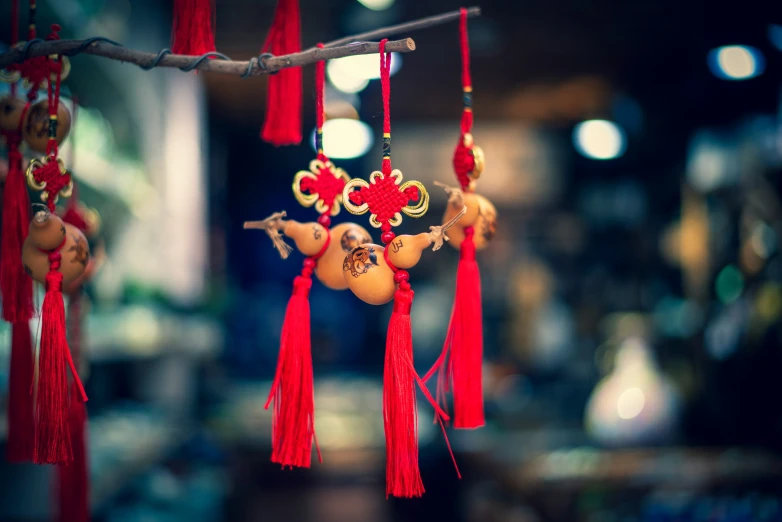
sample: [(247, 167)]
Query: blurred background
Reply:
[(632, 294)]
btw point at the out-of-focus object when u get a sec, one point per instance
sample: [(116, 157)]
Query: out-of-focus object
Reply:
[(191, 31), (48, 233), (634, 404), (11, 113), (35, 128), (599, 139), (736, 62), (460, 364)]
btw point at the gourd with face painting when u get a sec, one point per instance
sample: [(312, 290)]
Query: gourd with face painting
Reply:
[(310, 239)]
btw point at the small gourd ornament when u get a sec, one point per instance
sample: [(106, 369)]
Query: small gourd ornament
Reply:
[(292, 392), (372, 274), (460, 365), (55, 254)]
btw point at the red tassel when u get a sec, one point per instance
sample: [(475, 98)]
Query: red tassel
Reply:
[(73, 479), (52, 433), (283, 101), (191, 31), (293, 421), (460, 365), (21, 429), (15, 285)]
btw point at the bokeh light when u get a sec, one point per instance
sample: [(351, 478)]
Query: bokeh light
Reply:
[(376, 5), (352, 73), (736, 62), (630, 403), (729, 284), (599, 139), (345, 138)]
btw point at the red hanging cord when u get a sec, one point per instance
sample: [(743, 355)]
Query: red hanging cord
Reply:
[(460, 365), (463, 160), (320, 109), (385, 84), (400, 416)]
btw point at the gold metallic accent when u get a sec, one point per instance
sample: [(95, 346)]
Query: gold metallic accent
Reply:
[(349, 206), (7, 76), (66, 191), (307, 200), (66, 71), (415, 211), (480, 162)]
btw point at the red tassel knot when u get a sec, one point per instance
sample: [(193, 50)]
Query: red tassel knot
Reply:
[(384, 197), (53, 179), (325, 185)]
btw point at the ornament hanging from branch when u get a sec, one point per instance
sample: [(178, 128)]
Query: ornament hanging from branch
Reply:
[(292, 393), (460, 365), (54, 253), (376, 274)]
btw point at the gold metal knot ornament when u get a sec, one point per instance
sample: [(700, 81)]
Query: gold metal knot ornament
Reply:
[(323, 183), (385, 198), (64, 189)]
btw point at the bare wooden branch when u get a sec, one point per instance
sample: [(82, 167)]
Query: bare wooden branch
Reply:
[(347, 46), (421, 23), (269, 64)]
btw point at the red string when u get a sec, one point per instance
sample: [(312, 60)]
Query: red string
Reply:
[(320, 81), (385, 83), (466, 78), (74, 193), (54, 94)]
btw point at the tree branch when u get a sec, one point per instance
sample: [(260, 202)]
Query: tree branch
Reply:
[(262, 65), (421, 23)]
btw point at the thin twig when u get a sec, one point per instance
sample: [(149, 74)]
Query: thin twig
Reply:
[(421, 23), (256, 66), (264, 64)]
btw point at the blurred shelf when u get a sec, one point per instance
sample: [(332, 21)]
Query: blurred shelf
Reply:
[(123, 446), (675, 466)]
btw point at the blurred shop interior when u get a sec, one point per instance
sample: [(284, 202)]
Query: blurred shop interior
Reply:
[(632, 296)]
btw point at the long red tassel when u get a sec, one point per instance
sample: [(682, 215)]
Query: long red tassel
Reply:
[(400, 412), (293, 421), (73, 486), (15, 285), (460, 365), (52, 433), (17, 290), (73, 479), (283, 101), (21, 425), (191, 31)]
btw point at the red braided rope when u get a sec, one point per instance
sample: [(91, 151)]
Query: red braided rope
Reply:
[(466, 78), (320, 110), (385, 83), (54, 95)]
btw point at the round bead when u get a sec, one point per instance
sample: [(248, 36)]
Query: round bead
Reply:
[(387, 237), (324, 220), (309, 263), (401, 275)]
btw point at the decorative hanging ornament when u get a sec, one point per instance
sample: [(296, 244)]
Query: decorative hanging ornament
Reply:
[(15, 285), (293, 426), (460, 365), (55, 254), (283, 99), (376, 274), (73, 480)]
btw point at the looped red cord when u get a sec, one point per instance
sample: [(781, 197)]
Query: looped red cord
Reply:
[(466, 78), (54, 94), (385, 84), (320, 110)]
